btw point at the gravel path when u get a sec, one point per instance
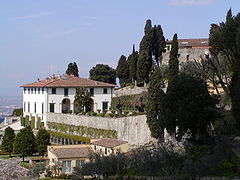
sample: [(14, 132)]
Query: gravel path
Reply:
[(10, 169)]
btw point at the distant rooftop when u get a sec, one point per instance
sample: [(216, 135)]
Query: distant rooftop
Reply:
[(197, 43), (68, 81), (109, 143)]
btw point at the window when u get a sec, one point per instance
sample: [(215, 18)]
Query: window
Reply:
[(53, 90), (104, 106), (80, 163), (35, 90), (42, 90), (65, 91), (31, 90), (51, 105), (28, 90), (24, 107), (105, 151), (104, 90), (66, 166), (42, 108), (52, 160), (187, 57), (29, 107), (95, 148), (35, 107), (39, 90), (24, 90), (91, 91)]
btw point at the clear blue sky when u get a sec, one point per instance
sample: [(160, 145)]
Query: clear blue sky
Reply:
[(41, 37)]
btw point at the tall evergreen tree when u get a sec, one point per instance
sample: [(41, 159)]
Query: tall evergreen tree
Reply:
[(103, 73), (72, 69), (123, 71), (24, 143), (224, 39), (132, 62), (8, 140), (42, 141), (158, 44), (82, 100), (144, 65), (153, 108), (173, 59), (189, 107)]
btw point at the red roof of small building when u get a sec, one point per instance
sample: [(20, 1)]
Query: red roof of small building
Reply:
[(78, 152), (109, 143), (68, 81), (202, 42)]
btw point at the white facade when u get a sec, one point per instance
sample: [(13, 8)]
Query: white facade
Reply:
[(39, 101)]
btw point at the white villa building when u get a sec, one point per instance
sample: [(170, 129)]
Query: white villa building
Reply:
[(56, 95)]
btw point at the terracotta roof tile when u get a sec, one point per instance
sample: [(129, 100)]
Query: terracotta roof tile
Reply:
[(109, 143), (80, 152), (68, 81)]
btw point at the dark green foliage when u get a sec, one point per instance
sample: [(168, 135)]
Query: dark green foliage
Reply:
[(173, 59), (123, 71), (158, 44), (103, 73), (153, 107), (24, 143), (42, 141), (144, 64), (82, 100), (130, 102), (132, 62), (8, 140), (188, 106), (224, 38), (18, 112), (72, 69)]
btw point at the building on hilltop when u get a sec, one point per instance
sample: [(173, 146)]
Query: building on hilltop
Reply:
[(56, 95), (188, 49)]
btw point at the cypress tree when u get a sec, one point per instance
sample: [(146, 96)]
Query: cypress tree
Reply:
[(8, 140), (153, 108), (42, 141), (144, 65), (132, 62), (72, 69), (158, 44), (173, 59), (122, 71), (24, 143)]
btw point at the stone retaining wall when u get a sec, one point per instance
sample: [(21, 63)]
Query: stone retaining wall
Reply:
[(133, 129)]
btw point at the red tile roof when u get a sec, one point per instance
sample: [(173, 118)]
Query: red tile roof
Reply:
[(68, 81), (109, 143), (203, 42), (80, 152)]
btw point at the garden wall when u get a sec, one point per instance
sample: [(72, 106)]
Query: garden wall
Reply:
[(133, 129)]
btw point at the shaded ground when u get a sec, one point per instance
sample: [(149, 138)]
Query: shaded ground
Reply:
[(10, 169)]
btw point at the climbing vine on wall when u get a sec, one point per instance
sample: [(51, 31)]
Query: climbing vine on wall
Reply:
[(82, 130)]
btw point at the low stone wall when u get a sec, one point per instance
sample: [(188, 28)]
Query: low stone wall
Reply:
[(130, 91), (133, 129)]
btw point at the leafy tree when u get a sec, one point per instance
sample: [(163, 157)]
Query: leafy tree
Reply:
[(132, 62), (158, 44), (18, 112), (72, 69), (8, 140), (123, 71), (144, 65), (173, 59), (155, 96), (42, 141), (224, 38), (189, 107), (24, 143), (103, 73), (83, 100)]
